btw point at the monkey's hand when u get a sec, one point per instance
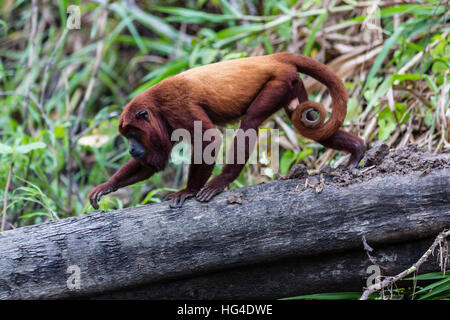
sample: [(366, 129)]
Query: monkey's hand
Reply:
[(215, 186), (98, 192), (177, 198)]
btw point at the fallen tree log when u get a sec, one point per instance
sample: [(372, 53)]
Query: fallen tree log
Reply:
[(334, 272), (271, 240)]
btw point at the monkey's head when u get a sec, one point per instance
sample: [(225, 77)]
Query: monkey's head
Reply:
[(147, 133)]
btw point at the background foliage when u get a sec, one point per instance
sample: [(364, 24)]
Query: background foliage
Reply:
[(62, 90)]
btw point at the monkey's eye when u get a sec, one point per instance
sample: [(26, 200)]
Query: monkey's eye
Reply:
[(142, 114)]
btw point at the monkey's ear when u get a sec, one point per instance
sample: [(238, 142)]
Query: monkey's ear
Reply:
[(142, 114)]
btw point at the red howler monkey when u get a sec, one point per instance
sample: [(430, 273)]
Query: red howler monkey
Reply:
[(251, 89)]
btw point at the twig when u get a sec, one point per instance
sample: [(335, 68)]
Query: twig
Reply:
[(32, 39), (5, 196), (368, 169), (389, 281), (443, 101), (91, 83), (290, 134), (69, 146), (50, 63), (416, 94), (111, 115)]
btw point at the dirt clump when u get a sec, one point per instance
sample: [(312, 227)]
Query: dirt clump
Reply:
[(298, 171), (378, 161)]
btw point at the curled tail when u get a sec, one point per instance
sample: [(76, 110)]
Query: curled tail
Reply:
[(305, 120)]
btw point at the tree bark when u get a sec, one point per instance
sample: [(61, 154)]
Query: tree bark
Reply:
[(266, 241)]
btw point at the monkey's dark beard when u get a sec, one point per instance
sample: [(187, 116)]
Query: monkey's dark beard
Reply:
[(155, 164)]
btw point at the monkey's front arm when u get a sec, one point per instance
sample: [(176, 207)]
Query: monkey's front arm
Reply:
[(133, 171)]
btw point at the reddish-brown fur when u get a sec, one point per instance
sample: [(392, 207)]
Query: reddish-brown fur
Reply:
[(250, 89)]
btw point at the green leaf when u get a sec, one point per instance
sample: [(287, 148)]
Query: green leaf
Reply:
[(329, 296), (150, 197), (402, 112), (385, 128), (439, 67), (60, 132), (160, 74), (353, 109), (5, 149), (381, 91), (268, 45), (152, 22), (436, 288), (318, 22), (233, 55), (402, 77), (287, 159), (228, 8), (130, 26), (392, 10), (30, 147), (284, 30), (239, 30), (4, 27), (209, 55), (429, 118), (194, 16), (35, 214), (431, 83), (383, 54), (430, 276), (159, 46), (306, 152)]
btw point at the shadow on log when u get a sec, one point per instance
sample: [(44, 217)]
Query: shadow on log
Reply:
[(280, 239)]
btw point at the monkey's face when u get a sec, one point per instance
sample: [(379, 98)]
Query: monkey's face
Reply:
[(137, 150), (146, 135)]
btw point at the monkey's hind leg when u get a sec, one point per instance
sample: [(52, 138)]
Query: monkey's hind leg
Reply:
[(344, 141), (271, 98)]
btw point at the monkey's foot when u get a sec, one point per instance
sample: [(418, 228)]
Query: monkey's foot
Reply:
[(357, 154), (209, 191), (98, 192), (177, 198)]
